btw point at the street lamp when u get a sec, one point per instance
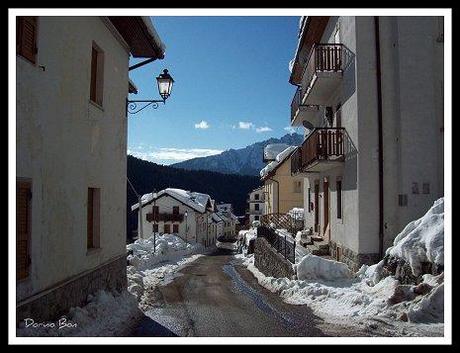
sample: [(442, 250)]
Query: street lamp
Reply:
[(165, 83)]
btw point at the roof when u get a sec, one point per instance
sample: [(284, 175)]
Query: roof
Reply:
[(195, 200), (140, 35), (282, 157)]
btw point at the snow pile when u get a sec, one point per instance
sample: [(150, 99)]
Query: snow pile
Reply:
[(248, 235), (226, 245), (105, 314), (169, 249), (297, 213), (335, 294), (422, 240), (315, 267)]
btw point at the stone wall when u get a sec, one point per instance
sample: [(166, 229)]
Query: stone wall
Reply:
[(353, 260), (270, 262), (55, 302)]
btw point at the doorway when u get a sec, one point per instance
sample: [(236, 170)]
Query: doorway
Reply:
[(326, 228), (316, 207)]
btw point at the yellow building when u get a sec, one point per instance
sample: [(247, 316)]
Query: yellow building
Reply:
[(282, 190)]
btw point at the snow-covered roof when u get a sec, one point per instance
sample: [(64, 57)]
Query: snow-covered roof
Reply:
[(280, 158), (272, 150), (216, 218), (194, 200)]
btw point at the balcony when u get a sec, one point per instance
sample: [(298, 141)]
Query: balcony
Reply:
[(323, 73), (300, 112), (165, 217), (323, 149)]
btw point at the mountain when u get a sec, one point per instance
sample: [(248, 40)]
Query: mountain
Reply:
[(243, 161), (147, 177)]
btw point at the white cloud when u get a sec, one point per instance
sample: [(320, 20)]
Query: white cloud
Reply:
[(202, 125), (245, 125), (171, 155), (264, 129)]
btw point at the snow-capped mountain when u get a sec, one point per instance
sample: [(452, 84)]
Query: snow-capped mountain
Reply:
[(244, 161)]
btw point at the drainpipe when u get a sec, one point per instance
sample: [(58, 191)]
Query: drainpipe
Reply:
[(278, 193), (380, 132)]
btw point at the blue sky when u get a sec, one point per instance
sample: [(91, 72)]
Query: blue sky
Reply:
[(231, 86)]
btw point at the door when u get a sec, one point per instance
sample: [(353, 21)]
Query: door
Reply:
[(316, 207), (326, 229)]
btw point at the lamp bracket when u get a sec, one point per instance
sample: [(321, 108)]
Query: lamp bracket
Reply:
[(131, 105)]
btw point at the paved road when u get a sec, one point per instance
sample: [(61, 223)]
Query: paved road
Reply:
[(215, 296)]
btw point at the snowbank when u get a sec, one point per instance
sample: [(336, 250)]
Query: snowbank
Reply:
[(337, 295), (297, 213), (315, 267), (147, 268), (105, 314), (226, 245), (422, 240)]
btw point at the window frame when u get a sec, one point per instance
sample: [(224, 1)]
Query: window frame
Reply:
[(96, 84)]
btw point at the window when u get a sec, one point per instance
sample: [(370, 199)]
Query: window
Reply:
[(97, 74), (26, 37), (167, 228), (175, 210), (256, 196), (256, 207), (175, 228), (402, 200), (93, 215), (339, 199), (155, 228), (256, 218), (297, 186), (23, 222), (155, 212), (309, 200)]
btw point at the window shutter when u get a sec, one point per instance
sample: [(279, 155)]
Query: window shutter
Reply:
[(93, 88), (23, 203), (90, 219), (26, 42)]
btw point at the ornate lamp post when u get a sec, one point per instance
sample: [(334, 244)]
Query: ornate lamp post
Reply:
[(165, 83)]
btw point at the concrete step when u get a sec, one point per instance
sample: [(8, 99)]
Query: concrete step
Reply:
[(318, 251)]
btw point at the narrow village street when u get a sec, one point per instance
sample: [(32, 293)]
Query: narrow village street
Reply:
[(215, 296)]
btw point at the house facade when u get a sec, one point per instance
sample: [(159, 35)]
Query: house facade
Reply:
[(370, 96), (72, 86), (256, 204), (176, 211), (225, 212), (282, 191)]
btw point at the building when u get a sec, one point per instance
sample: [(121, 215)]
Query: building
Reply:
[(216, 230), (225, 212), (176, 211), (256, 204), (72, 86), (281, 190), (370, 94)]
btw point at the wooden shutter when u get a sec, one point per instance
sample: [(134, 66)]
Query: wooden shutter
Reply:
[(26, 37), (93, 88), (167, 228), (23, 217), (90, 219), (175, 228)]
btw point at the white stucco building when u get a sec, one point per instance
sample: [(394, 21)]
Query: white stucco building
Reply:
[(256, 204), (72, 86), (370, 94), (175, 211), (225, 212)]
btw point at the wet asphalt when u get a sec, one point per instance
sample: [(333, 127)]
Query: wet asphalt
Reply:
[(216, 296)]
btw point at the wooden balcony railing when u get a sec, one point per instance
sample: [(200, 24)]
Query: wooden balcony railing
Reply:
[(324, 58), (323, 144), (165, 217)]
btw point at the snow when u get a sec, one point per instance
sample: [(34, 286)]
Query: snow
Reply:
[(105, 314), (337, 295), (280, 158), (272, 150), (422, 240), (151, 29), (194, 200), (297, 213), (315, 267), (226, 245)]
